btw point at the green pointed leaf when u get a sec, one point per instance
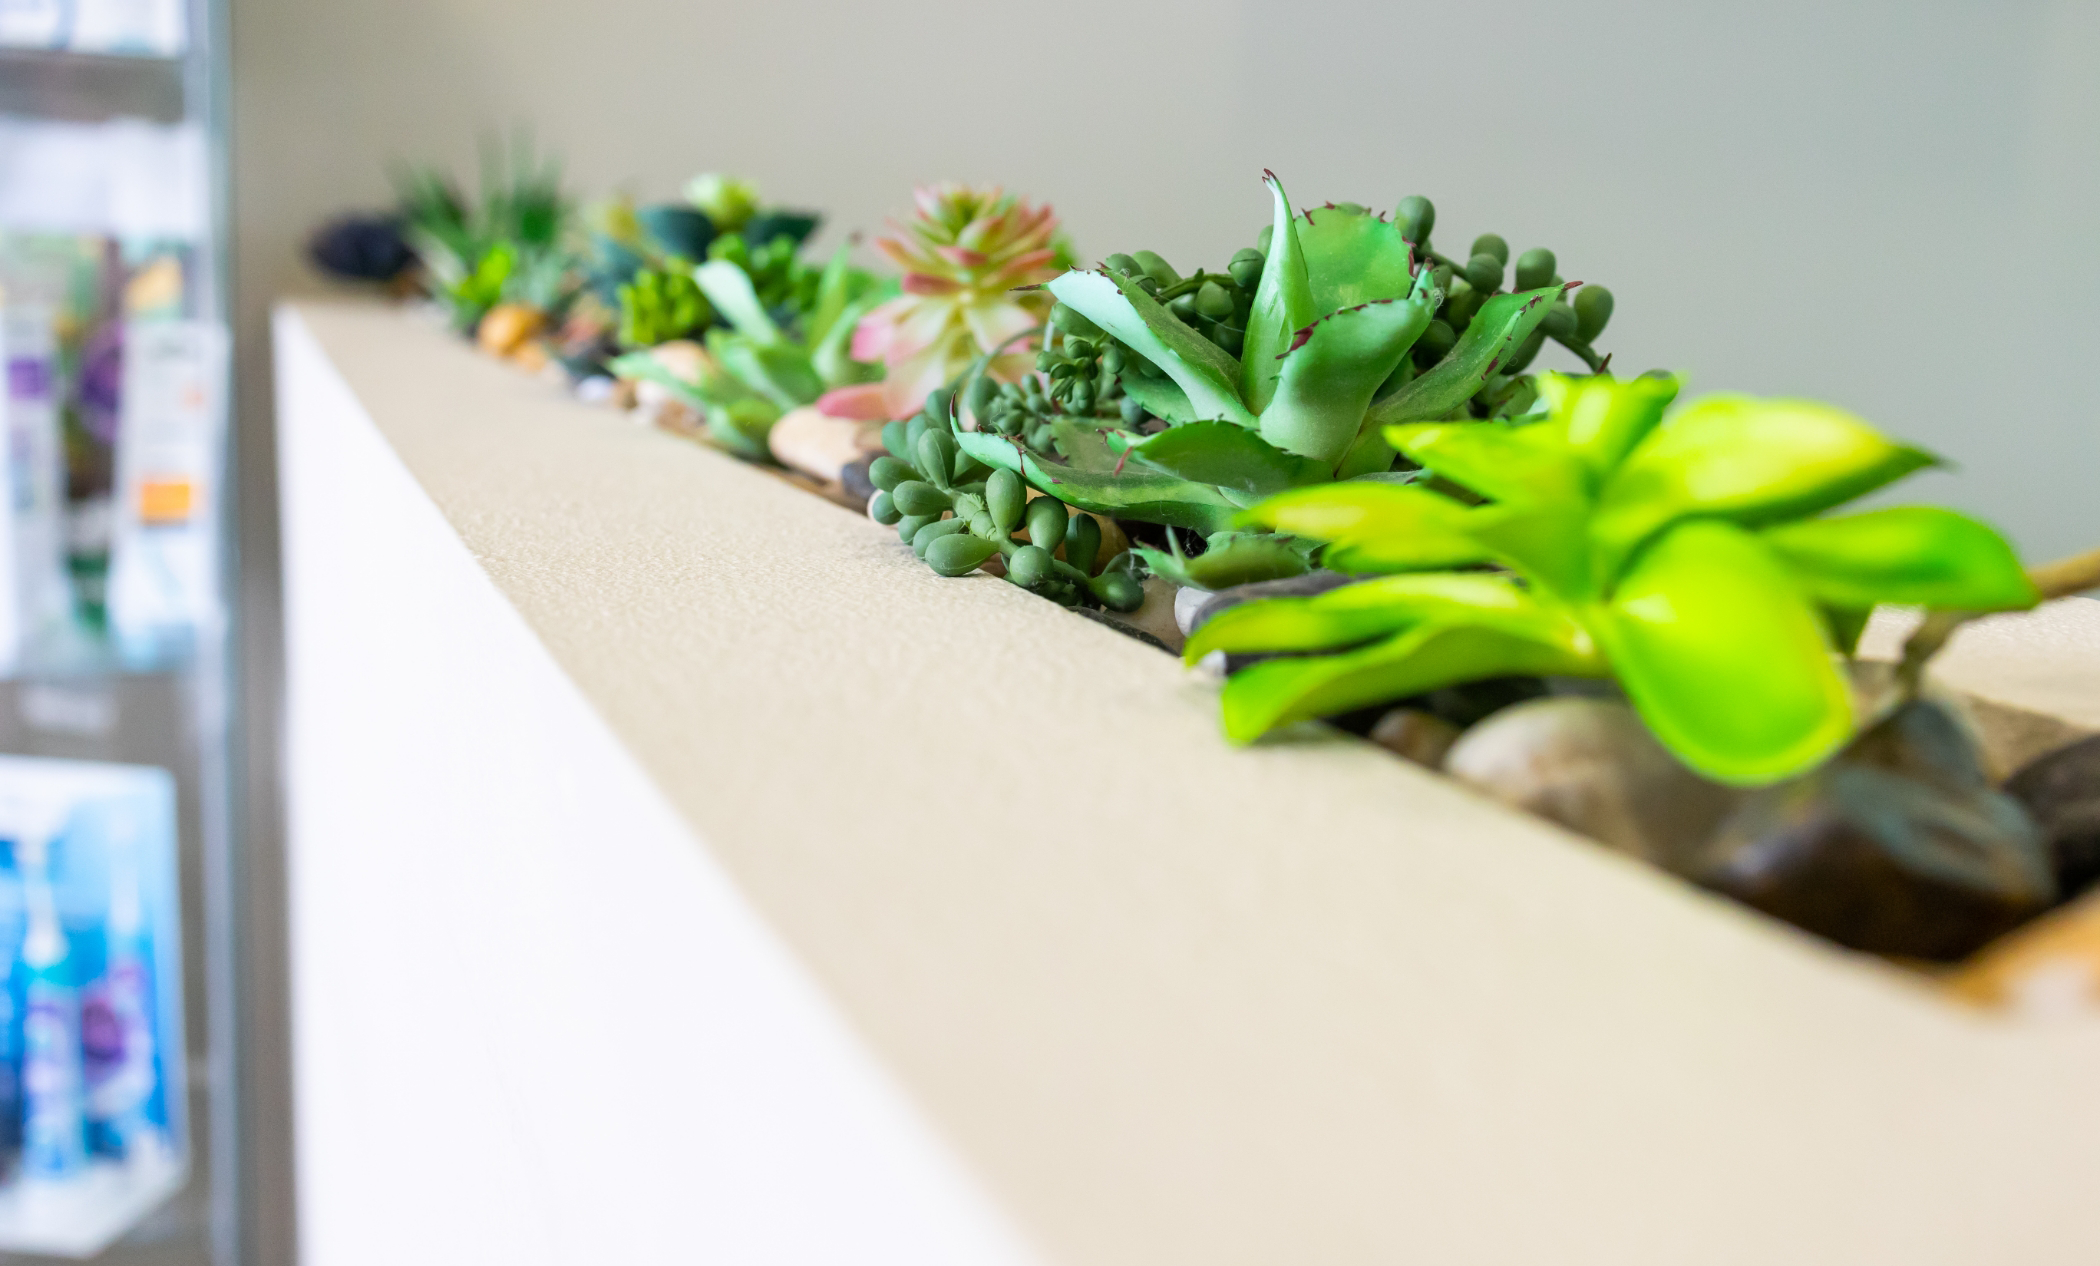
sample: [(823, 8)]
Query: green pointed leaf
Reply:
[(1161, 398), (1493, 335), (1234, 558), (1752, 461), (1374, 526), (1372, 454), (1232, 457), (1508, 462), (1283, 304), (742, 426), (782, 372), (832, 296), (728, 288), (1427, 657), (1207, 375), (1352, 258), (1724, 656), (832, 355), (1136, 494), (1330, 372), (1086, 447), (1914, 555), (1605, 417), (641, 366)]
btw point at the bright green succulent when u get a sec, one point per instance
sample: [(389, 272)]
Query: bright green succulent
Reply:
[(1282, 372), (661, 304), (756, 369), (1690, 559)]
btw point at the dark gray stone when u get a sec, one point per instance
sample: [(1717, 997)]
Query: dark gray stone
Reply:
[(854, 477), (1127, 630), (1896, 846), (2061, 792), (1306, 586)]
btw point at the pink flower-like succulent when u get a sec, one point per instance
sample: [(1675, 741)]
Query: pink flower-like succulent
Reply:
[(962, 257)]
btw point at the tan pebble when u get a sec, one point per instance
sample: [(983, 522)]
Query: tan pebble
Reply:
[(506, 326), (532, 357), (2050, 968), (1422, 737), (820, 445)]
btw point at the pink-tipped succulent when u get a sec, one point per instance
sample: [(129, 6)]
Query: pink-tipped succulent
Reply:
[(962, 257)]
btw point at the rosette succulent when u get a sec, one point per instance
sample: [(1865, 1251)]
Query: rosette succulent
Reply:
[(1689, 558), (964, 257)]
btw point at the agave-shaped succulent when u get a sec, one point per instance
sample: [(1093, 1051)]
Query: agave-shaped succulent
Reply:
[(963, 256), (1322, 370)]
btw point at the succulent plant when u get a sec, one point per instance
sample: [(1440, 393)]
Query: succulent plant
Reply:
[(764, 241), (963, 256), (511, 248), (755, 368), (728, 201), (958, 514), (1282, 371), (661, 304), (1690, 559)]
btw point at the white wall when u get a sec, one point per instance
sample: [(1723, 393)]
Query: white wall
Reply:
[(1888, 205)]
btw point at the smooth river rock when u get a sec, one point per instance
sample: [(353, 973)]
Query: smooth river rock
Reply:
[(1896, 846), (1413, 734), (2061, 792), (1592, 766)]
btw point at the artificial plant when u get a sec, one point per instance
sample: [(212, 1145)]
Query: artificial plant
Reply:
[(510, 247), (1283, 371), (964, 256), (1689, 558), (958, 514), (765, 361)]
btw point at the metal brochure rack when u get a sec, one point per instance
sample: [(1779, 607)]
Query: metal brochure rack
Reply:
[(119, 1110)]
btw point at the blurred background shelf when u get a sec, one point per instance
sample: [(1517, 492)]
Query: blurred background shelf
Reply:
[(91, 87)]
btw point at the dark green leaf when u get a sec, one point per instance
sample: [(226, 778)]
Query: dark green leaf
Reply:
[(1331, 370), (1493, 336), (1207, 375), (1232, 457), (1233, 559), (1162, 398), (1136, 494), (1283, 305)]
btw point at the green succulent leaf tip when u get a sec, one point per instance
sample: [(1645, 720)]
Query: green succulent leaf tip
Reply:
[(1691, 557)]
